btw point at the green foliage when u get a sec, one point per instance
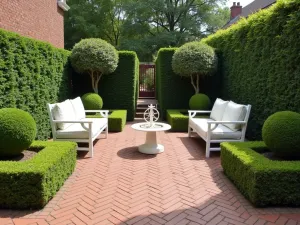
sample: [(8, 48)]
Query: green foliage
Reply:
[(32, 73), (177, 120), (92, 101), (260, 62), (116, 120), (17, 131), (199, 102), (95, 57), (119, 90), (281, 132), (174, 92), (263, 181), (194, 58), (143, 26), (32, 183), (94, 54)]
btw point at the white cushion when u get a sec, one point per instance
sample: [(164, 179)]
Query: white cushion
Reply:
[(64, 111), (78, 108), (221, 132), (76, 131), (218, 109), (234, 112)]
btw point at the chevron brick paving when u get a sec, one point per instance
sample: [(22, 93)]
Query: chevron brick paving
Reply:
[(122, 186)]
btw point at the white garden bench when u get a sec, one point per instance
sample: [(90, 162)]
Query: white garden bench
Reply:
[(69, 123), (227, 123)]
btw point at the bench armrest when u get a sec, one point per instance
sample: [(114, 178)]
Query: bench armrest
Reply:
[(226, 122), (192, 113), (71, 121), (103, 113)]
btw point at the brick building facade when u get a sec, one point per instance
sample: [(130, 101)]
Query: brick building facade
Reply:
[(39, 19)]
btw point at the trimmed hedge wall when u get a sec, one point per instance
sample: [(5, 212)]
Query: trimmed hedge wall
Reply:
[(116, 120), (32, 183), (32, 73), (261, 62), (263, 181), (174, 91), (119, 89)]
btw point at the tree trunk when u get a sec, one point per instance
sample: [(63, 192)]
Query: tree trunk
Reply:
[(196, 86), (95, 76)]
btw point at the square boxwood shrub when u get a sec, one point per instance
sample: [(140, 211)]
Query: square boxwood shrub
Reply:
[(32, 183), (263, 181), (116, 120), (178, 119)]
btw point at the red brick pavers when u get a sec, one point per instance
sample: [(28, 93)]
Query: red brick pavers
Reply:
[(122, 186)]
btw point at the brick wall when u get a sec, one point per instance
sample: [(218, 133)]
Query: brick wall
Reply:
[(39, 19)]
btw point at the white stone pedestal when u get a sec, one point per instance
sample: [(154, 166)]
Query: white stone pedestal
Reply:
[(151, 146)]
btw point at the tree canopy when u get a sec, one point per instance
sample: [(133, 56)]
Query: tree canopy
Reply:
[(143, 26)]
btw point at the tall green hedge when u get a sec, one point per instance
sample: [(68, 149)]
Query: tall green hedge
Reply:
[(32, 73), (261, 62), (174, 91), (119, 89)]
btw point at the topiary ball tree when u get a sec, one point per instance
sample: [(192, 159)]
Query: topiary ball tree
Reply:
[(95, 57), (17, 131), (199, 102), (92, 101), (195, 60), (281, 133)]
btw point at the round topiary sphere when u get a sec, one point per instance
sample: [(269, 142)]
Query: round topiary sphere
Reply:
[(17, 131), (199, 102), (92, 101), (94, 54), (281, 133)]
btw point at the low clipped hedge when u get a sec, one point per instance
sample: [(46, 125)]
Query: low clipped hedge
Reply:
[(116, 120), (263, 181), (178, 119), (32, 183)]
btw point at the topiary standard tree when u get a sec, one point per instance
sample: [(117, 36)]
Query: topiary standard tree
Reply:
[(95, 57), (195, 60)]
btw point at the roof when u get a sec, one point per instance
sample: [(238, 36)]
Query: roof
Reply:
[(250, 9)]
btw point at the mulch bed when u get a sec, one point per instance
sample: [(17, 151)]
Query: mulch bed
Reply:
[(25, 155)]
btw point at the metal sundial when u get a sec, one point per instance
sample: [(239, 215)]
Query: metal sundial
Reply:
[(151, 115)]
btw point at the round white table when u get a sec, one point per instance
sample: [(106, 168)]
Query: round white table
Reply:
[(151, 146)]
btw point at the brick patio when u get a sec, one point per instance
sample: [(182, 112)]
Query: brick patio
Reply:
[(122, 186)]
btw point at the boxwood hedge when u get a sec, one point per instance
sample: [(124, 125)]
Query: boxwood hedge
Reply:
[(32, 73), (116, 120), (32, 183), (260, 57), (118, 90), (173, 91), (263, 181), (178, 119)]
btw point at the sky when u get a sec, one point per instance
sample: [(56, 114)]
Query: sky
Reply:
[(243, 2)]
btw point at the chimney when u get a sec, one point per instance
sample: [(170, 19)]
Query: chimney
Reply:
[(236, 9)]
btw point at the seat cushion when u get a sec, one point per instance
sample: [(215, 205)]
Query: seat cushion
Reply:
[(78, 108), (63, 111), (218, 109), (234, 112), (76, 131), (221, 132)]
